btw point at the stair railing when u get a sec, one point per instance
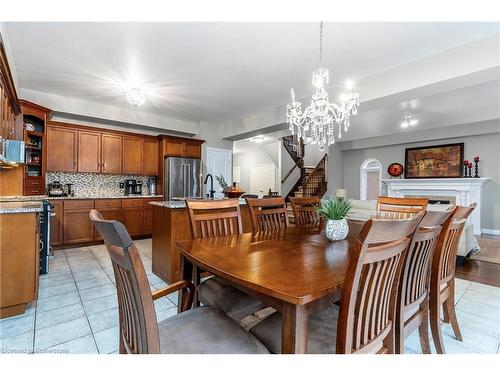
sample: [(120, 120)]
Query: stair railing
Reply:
[(314, 184)]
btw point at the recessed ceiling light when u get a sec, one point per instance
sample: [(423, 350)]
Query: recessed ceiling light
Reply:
[(408, 121), (258, 139)]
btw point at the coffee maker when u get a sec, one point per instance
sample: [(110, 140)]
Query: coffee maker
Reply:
[(133, 187)]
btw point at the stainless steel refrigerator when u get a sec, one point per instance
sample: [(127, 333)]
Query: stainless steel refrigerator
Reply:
[(182, 178)]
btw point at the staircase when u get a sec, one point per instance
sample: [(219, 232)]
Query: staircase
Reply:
[(313, 180)]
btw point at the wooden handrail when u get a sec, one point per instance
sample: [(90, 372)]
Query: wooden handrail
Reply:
[(321, 162), (289, 173)]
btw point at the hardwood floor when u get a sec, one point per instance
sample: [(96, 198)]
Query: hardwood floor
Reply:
[(479, 272)]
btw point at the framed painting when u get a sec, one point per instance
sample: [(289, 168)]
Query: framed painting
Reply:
[(443, 161)]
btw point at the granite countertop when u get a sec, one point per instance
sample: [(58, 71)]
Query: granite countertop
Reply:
[(20, 207), (182, 204), (32, 198)]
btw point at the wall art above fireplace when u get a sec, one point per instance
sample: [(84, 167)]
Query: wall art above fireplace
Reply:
[(442, 161)]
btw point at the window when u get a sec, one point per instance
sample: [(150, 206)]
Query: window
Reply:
[(370, 175)]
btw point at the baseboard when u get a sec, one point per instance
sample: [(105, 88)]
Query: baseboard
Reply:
[(495, 232)]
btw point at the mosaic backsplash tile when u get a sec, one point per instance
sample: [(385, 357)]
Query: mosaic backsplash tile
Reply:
[(96, 184)]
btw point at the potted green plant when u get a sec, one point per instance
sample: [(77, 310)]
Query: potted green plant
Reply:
[(335, 211)]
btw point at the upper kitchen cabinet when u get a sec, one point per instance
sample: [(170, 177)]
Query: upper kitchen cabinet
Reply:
[(112, 153), (62, 149), (132, 155), (140, 155), (89, 151), (150, 157), (10, 124), (180, 147)]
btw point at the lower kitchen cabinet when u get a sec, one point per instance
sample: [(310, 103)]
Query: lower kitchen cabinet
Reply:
[(56, 223), (77, 226), (133, 219), (71, 224)]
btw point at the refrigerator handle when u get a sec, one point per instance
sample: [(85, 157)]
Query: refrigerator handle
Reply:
[(184, 181)]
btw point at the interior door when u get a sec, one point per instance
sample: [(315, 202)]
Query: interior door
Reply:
[(262, 178), (219, 162)]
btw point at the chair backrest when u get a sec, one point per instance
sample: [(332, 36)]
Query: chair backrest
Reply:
[(415, 275), (214, 218), (249, 196), (400, 208), (444, 260), (137, 317), (305, 210), (267, 213), (369, 298)]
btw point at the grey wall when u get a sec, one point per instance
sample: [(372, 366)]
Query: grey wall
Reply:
[(487, 146)]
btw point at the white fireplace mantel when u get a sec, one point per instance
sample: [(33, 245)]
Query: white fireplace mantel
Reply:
[(465, 190)]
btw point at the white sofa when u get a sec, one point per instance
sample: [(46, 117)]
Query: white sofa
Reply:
[(363, 210)]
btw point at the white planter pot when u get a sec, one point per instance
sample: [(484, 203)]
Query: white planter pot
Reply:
[(336, 230)]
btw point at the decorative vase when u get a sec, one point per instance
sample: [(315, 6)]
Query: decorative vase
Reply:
[(336, 230)]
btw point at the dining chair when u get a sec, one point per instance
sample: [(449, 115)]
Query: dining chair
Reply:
[(268, 213), (193, 331), (412, 308), (400, 208), (305, 211), (218, 218), (364, 322), (442, 286)]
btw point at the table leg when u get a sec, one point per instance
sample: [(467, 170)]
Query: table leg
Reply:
[(294, 329), (196, 282), (186, 272)]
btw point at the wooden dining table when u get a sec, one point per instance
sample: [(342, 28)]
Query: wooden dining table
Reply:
[(296, 270)]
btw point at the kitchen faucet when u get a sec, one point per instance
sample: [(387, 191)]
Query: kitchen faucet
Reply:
[(211, 191)]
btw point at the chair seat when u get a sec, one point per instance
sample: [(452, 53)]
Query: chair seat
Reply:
[(322, 331), (204, 330), (225, 297)]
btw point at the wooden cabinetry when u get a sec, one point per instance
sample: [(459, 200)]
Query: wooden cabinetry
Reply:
[(77, 225), (89, 151), (80, 148), (112, 153), (110, 209), (9, 103), (132, 155), (133, 216), (56, 223), (150, 157), (62, 147), (19, 262), (180, 147)]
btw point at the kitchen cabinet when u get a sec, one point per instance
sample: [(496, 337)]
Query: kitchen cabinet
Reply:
[(112, 153), (9, 103), (150, 157), (132, 155), (89, 151), (19, 262), (148, 216), (180, 147), (56, 223), (77, 225), (108, 214), (133, 216), (62, 147)]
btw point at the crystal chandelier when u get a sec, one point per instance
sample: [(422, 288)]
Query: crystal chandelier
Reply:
[(317, 123), (136, 97)]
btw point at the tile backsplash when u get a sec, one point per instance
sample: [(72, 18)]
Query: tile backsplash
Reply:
[(96, 184)]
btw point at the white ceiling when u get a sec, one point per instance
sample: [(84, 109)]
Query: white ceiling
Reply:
[(218, 71)]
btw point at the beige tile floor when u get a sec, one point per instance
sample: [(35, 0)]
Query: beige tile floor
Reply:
[(77, 310)]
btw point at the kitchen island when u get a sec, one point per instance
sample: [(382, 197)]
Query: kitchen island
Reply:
[(19, 255), (171, 224)]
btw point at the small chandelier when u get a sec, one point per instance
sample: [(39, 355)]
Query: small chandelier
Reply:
[(136, 97), (316, 124)]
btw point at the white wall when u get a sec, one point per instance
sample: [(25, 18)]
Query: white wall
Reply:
[(247, 155), (8, 52), (487, 146)]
